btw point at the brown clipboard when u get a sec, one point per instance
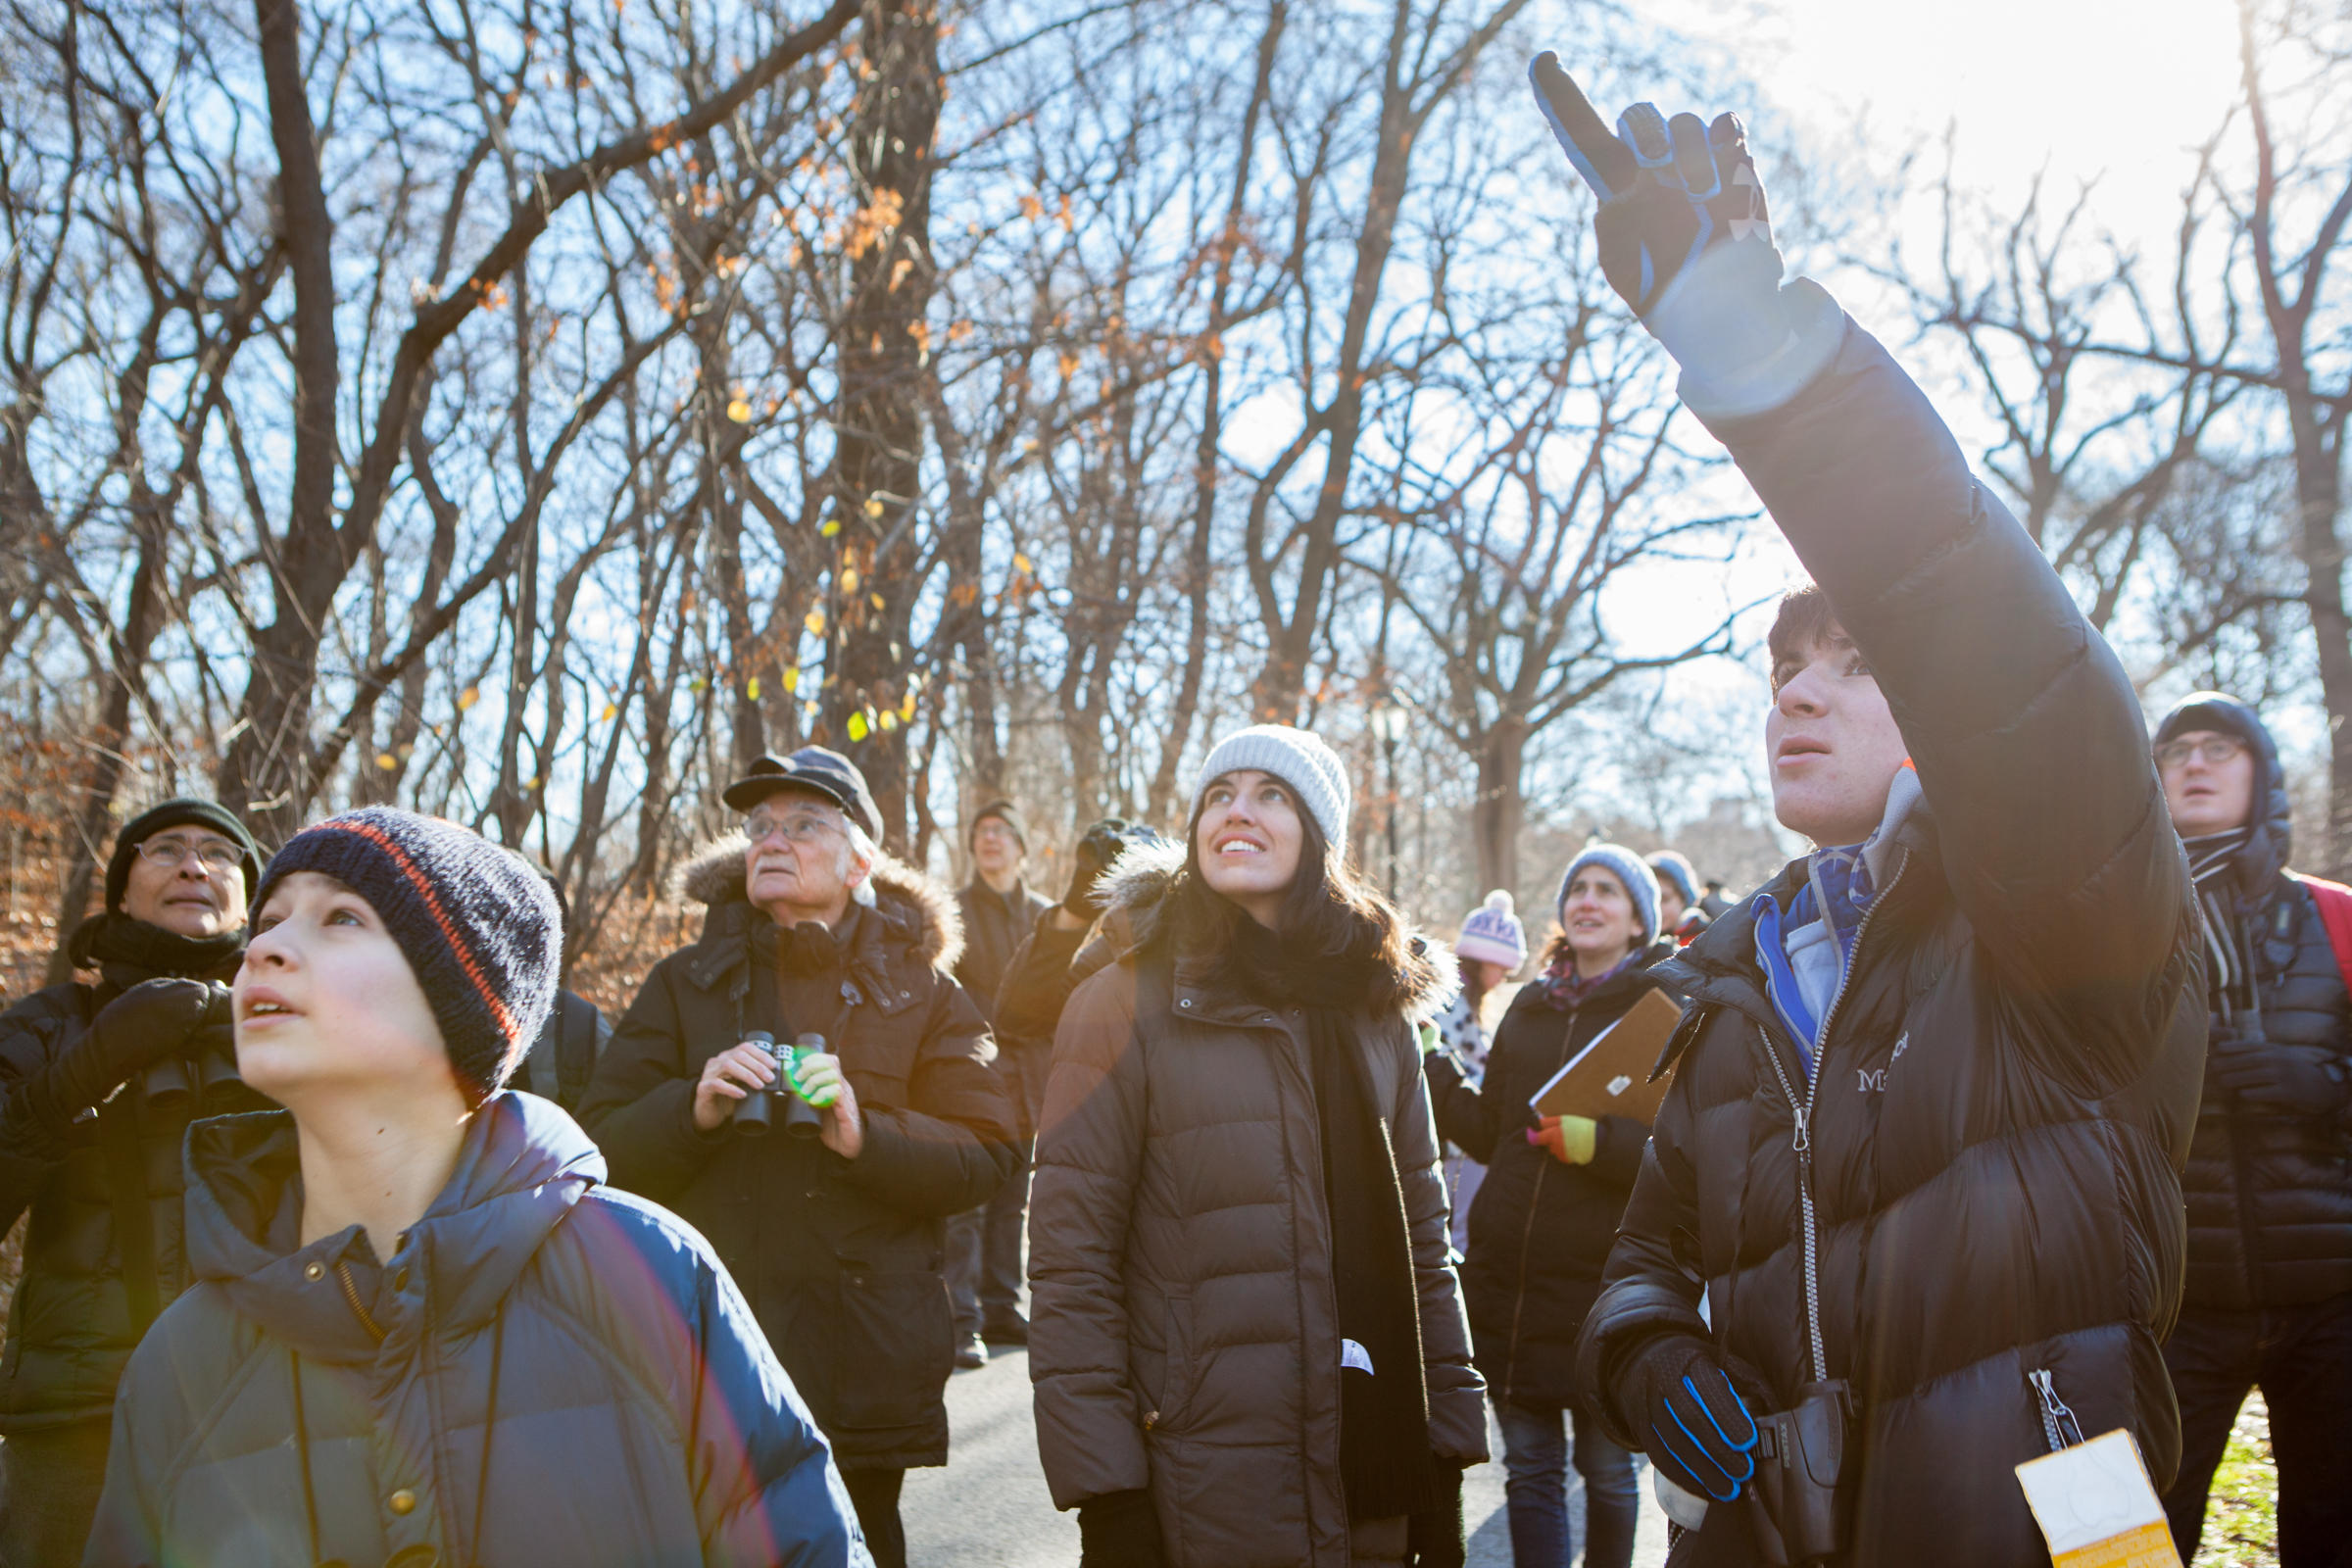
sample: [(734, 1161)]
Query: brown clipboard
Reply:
[(1610, 1077)]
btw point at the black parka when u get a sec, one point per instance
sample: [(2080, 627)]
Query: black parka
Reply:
[(840, 1259), (1539, 1230), (2270, 1195), (2008, 1079), (75, 1318)]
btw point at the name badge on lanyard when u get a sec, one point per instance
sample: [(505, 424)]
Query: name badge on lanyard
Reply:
[(2096, 1506)]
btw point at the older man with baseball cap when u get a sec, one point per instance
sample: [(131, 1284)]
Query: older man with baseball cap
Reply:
[(835, 1237)]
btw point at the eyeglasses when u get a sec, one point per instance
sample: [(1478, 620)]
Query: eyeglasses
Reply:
[(2212, 750), (218, 856), (801, 828)]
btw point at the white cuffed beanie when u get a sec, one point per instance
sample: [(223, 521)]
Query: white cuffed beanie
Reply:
[(1640, 883), (1491, 932), (1297, 758)]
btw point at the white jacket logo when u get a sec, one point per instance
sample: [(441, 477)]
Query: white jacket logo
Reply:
[(1873, 1080)]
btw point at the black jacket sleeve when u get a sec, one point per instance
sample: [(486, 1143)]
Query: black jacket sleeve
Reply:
[(953, 1146), (2027, 735), (32, 1034), (1465, 1116), (639, 1107)]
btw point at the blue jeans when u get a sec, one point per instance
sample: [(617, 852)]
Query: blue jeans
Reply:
[(1535, 1460)]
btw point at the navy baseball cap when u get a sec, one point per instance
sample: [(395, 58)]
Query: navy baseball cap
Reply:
[(817, 770)]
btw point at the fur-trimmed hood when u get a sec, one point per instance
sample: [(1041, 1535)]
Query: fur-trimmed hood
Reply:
[(1135, 910), (918, 906)]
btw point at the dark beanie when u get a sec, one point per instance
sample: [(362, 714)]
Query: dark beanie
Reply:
[(183, 813), (479, 925), (1006, 812)]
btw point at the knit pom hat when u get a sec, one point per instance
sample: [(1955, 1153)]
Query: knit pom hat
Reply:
[(1491, 932), (1640, 883), (477, 923), (1672, 866), (1297, 758)]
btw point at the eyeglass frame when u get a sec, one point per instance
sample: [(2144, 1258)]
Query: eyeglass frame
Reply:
[(179, 850), (811, 818), (2172, 753)]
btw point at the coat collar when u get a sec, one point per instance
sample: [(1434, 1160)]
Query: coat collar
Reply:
[(521, 1168), (913, 923)]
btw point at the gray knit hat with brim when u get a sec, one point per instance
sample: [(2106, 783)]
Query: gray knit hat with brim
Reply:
[(1300, 760)]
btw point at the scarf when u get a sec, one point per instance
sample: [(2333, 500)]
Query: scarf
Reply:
[(1384, 1458), (2212, 860), (1559, 988), (116, 938)]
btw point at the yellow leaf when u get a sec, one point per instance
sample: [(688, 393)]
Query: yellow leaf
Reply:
[(890, 719), (750, 688), (792, 677), (1067, 362), (386, 760), (906, 708), (611, 712), (468, 697), (849, 579), (739, 411), (815, 622), (875, 600), (857, 727), (1032, 207), (1021, 564), (832, 527), (873, 505)]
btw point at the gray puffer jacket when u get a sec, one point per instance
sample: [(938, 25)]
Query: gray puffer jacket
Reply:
[(572, 1353), (1184, 1335)]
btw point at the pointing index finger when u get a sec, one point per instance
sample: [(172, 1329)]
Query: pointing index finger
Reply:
[(1591, 147)]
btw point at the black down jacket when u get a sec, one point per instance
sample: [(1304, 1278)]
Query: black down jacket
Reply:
[(840, 1259), (2008, 1081), (1539, 1230), (108, 1189), (549, 1372), (2270, 1196)]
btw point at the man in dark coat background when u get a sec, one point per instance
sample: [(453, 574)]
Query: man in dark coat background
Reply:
[(835, 1239), (101, 1170), (2268, 1300), (1921, 1153), (985, 1263)]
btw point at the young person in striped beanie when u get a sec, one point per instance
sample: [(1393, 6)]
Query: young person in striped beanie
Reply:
[(413, 1284)]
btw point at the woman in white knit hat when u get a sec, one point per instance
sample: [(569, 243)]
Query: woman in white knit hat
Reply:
[(1492, 948), (1246, 1339)]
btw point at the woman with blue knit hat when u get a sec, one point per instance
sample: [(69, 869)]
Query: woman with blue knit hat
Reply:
[(1546, 1211), (1245, 1337), (413, 1292)]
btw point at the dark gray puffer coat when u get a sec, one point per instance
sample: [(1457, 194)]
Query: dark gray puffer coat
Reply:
[(2008, 1080), (631, 1409), (2270, 1196)]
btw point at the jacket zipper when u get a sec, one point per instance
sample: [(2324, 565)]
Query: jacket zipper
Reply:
[(1527, 1232), (1801, 1135), (350, 1294), (2057, 1421)]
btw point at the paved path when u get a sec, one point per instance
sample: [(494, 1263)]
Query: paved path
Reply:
[(989, 1508)]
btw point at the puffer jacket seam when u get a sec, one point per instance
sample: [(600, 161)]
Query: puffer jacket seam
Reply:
[(218, 1407)]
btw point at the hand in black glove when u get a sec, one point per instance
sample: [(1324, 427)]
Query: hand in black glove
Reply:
[(1119, 1530), (151, 1020), (1433, 1537), (1680, 1402), (1686, 238), (2292, 1080)]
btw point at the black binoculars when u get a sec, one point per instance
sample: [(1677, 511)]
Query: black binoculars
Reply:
[(211, 1065), (755, 1111), (1795, 1504)]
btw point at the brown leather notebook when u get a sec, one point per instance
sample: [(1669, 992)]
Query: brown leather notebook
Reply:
[(1610, 1077)]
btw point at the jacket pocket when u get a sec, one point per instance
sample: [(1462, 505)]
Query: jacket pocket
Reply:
[(2059, 1428), (895, 1351), (1168, 1396)]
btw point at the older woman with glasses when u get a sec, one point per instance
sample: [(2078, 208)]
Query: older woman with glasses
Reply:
[(835, 1236), (100, 1170)]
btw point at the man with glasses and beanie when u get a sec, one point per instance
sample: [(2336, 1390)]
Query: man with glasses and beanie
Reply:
[(99, 1081), (2269, 1297), (835, 1237)]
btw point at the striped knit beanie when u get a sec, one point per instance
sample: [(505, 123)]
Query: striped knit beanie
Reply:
[(477, 923)]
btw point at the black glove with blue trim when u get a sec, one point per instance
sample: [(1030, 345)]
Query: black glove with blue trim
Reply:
[(1680, 1402), (1686, 237)]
